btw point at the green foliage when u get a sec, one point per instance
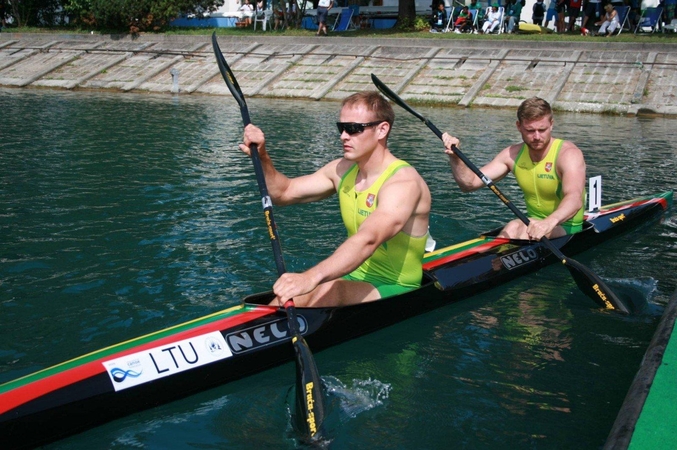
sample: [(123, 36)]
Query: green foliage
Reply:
[(418, 24), (33, 13), (134, 15)]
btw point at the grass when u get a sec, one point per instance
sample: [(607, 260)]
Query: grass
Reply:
[(379, 33)]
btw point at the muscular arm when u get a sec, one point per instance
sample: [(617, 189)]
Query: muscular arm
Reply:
[(403, 204), (284, 190), (466, 179)]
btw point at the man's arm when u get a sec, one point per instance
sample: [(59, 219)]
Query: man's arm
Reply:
[(284, 190), (466, 179), (399, 200), (571, 170)]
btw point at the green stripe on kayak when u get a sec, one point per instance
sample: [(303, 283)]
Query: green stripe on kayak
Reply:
[(104, 352)]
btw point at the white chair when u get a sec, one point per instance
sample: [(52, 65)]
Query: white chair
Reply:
[(263, 19), (672, 26)]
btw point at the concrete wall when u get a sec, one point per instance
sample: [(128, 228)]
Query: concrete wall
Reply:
[(597, 77)]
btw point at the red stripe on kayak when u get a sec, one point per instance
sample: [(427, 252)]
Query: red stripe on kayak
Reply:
[(660, 200), (480, 248), (31, 391)]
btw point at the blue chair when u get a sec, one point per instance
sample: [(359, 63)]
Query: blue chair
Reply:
[(622, 17), (344, 21), (650, 18)]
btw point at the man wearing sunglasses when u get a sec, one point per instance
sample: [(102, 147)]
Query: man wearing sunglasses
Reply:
[(384, 205)]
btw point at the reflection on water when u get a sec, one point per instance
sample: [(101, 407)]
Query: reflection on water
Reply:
[(125, 214)]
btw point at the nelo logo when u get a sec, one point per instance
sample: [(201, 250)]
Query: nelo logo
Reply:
[(519, 258), (269, 333)]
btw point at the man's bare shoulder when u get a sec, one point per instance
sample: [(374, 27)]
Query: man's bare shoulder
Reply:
[(510, 152), (568, 146), (336, 169), (406, 181), (569, 152)]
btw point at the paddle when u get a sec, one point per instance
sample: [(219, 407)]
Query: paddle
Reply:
[(310, 411), (587, 281)]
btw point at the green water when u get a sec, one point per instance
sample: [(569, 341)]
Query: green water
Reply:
[(124, 214)]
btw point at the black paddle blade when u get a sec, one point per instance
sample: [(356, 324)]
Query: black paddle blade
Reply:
[(227, 74), (593, 286), (309, 392)]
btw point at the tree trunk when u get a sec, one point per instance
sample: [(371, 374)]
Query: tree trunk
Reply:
[(406, 11)]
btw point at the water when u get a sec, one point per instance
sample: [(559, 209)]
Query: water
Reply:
[(125, 214)]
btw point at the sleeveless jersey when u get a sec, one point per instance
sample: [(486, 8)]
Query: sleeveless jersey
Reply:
[(396, 261), (541, 185)]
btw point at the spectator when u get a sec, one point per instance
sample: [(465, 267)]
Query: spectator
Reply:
[(246, 12), (477, 6), (323, 7), (669, 10), (573, 10), (561, 13), (463, 21), (513, 13), (592, 13), (538, 12), (609, 22), (279, 16), (439, 19), (291, 12), (492, 21), (551, 14)]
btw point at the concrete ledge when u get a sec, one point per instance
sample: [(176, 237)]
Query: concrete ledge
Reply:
[(595, 77)]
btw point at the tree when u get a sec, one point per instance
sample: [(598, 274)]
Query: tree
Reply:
[(135, 15), (32, 13), (406, 13)]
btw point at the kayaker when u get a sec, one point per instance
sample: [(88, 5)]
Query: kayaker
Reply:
[(550, 172), (384, 204)]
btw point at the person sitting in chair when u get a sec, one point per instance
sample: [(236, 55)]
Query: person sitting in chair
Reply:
[(439, 19), (492, 20), (609, 22), (463, 21), (246, 13)]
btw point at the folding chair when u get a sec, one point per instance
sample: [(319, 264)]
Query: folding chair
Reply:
[(651, 19), (474, 13), (344, 20), (450, 18), (475, 20), (356, 16), (622, 17)]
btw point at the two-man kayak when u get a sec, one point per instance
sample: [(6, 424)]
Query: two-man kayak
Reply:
[(245, 339)]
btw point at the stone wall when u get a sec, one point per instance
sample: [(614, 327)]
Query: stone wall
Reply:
[(596, 76)]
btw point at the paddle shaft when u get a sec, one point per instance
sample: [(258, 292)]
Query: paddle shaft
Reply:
[(309, 390), (589, 283), (266, 202)]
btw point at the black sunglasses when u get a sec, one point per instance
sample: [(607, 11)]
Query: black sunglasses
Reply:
[(353, 127)]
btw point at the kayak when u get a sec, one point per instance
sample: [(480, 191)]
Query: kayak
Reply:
[(248, 338)]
